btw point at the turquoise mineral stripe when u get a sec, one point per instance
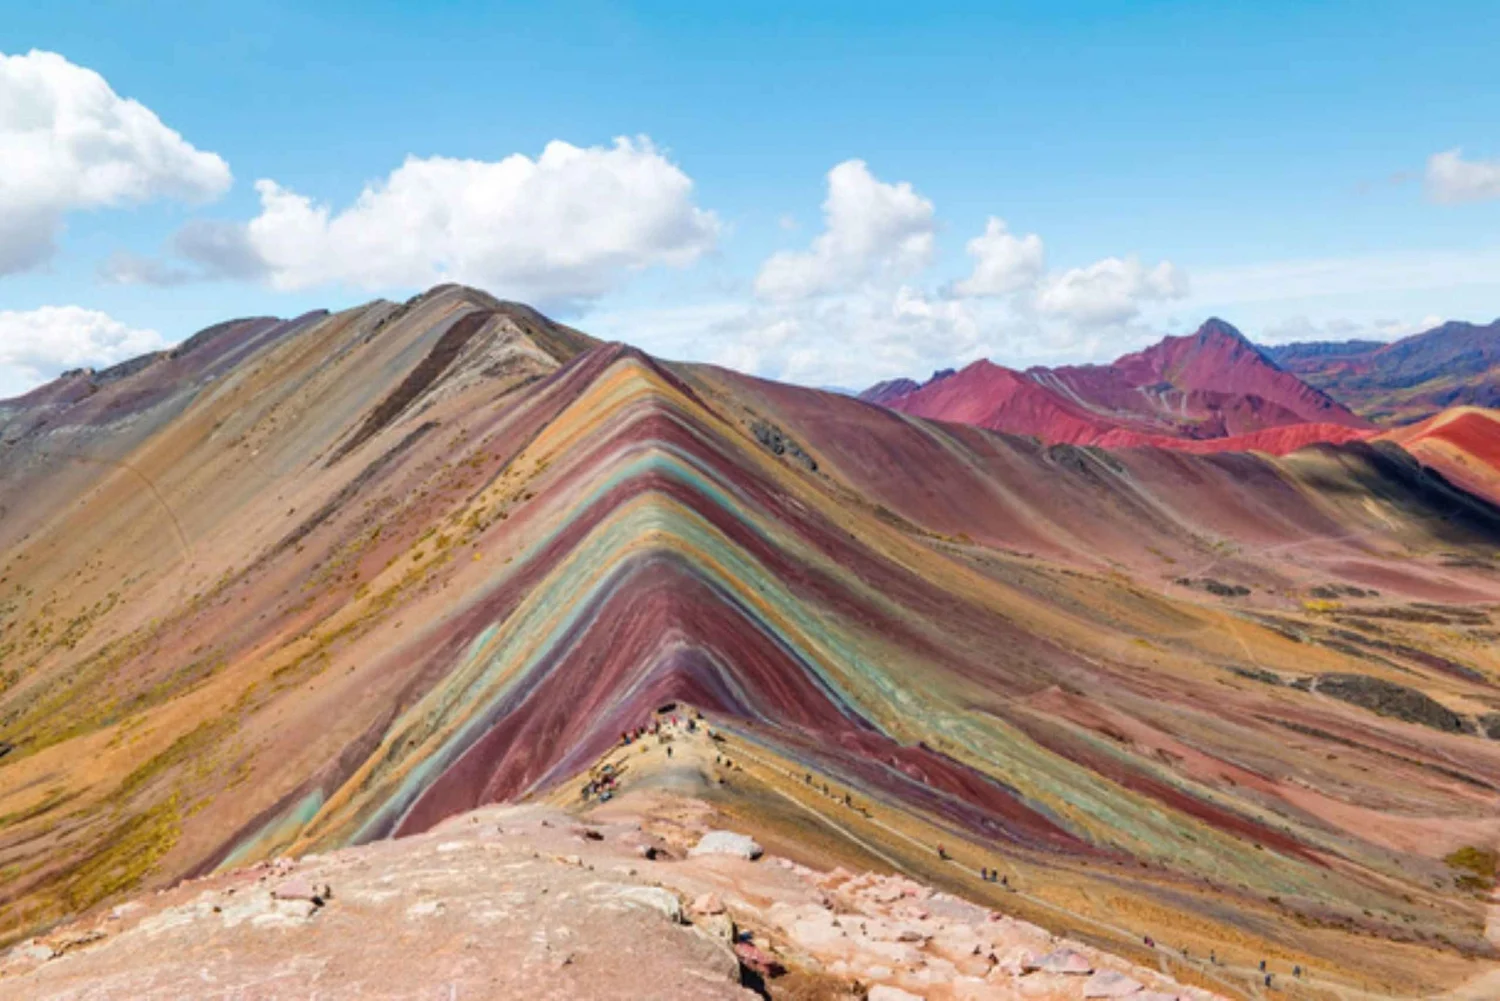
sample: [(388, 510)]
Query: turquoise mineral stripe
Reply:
[(278, 830), (553, 609)]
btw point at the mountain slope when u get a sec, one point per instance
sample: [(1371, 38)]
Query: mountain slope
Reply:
[(404, 562), (1462, 443), (1210, 386), (1455, 364)]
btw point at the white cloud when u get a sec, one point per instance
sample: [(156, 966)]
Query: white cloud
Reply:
[(1110, 291), (69, 142), (854, 309), (1003, 262), (1107, 293), (871, 230), (849, 340), (1452, 179), (40, 344), (559, 230), (216, 249), (756, 343), (857, 339), (125, 268)]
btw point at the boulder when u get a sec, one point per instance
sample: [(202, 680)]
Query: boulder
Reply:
[(1062, 961), (708, 903), (727, 843)]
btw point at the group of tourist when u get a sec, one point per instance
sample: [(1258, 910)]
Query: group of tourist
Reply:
[(602, 785)]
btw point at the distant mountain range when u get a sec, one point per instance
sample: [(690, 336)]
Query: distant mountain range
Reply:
[(1214, 390), (1456, 364)]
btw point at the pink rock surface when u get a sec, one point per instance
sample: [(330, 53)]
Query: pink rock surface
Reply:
[(510, 902), (1110, 984), (434, 916), (1065, 961)]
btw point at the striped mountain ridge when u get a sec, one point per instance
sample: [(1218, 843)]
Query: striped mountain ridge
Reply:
[(406, 561)]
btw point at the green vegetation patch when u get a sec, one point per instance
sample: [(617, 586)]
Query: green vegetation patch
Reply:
[(1477, 864), (124, 856)]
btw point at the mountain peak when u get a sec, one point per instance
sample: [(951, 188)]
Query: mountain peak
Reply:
[(1215, 327), (1223, 334), (1217, 341)]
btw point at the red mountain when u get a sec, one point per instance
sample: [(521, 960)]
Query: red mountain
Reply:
[(1212, 388)]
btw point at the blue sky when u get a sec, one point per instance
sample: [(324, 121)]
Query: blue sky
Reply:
[(1278, 157)]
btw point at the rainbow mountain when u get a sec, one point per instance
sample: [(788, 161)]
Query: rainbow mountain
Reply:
[(310, 583)]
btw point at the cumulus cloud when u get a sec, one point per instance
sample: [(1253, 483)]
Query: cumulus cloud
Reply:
[(125, 268), (1453, 180), (69, 142), (1003, 262), (219, 249), (855, 306), (215, 249), (754, 341), (42, 343), (559, 230), (847, 340), (871, 229), (1110, 291)]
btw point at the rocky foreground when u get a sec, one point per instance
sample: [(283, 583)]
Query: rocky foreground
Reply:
[(529, 902)]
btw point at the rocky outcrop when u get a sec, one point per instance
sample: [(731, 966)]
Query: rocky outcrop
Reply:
[(776, 441), (1489, 725), (1390, 699), (1215, 587)]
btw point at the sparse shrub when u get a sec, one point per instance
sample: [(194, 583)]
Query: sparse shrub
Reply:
[(1480, 863)]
